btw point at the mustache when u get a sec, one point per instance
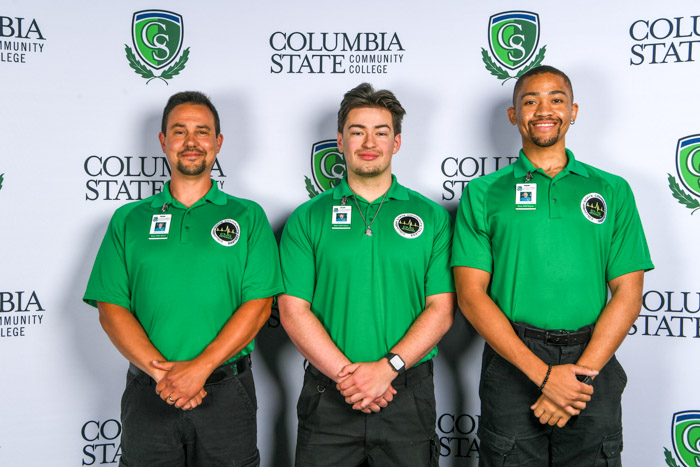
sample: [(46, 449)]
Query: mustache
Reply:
[(196, 150)]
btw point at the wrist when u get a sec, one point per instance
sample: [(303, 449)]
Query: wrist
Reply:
[(396, 363)]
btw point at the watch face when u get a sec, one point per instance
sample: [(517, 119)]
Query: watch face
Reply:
[(396, 362)]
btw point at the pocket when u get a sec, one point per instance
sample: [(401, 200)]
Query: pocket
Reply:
[(310, 396), (496, 450), (610, 453)]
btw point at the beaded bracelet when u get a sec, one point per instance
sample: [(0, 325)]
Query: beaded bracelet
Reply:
[(546, 377)]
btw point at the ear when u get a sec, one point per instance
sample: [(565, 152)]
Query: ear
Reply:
[(340, 142), (219, 142), (161, 138), (397, 143), (512, 116), (574, 111)]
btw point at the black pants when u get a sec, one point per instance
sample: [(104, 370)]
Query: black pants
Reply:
[(511, 435), (331, 433), (222, 431)]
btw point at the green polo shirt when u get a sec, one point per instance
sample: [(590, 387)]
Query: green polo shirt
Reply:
[(367, 290), (182, 271), (551, 256)]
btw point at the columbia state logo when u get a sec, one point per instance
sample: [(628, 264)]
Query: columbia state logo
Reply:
[(688, 169), (594, 208), (226, 232), (513, 39), (408, 225), (685, 434), (157, 38), (327, 167)]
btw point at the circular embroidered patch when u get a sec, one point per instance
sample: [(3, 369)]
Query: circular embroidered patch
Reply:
[(226, 232), (594, 208), (408, 225)]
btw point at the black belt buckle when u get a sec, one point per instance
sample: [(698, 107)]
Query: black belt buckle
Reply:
[(560, 337)]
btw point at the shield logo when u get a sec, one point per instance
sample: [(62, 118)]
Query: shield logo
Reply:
[(685, 432), (327, 164), (513, 37), (688, 162), (157, 36)]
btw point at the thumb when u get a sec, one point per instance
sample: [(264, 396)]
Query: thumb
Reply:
[(162, 365), (347, 369), (582, 370)]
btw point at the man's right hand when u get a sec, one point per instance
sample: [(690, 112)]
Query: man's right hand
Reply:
[(564, 390)]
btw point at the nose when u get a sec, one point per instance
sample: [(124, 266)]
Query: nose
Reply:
[(369, 141), (544, 108)]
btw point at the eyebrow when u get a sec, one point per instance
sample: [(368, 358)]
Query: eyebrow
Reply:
[(537, 93), (359, 125), (182, 125)]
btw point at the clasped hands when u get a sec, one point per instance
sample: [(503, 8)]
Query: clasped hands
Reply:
[(367, 385), (563, 396), (180, 384)]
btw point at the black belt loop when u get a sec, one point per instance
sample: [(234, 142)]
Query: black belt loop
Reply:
[(560, 337)]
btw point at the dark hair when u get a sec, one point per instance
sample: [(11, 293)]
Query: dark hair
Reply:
[(189, 97), (539, 71), (364, 95)]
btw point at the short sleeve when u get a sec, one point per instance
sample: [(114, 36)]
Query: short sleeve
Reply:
[(109, 280), (471, 245), (629, 250), (262, 277), (438, 277), (297, 256)]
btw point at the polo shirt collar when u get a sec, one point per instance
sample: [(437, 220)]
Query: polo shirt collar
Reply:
[(523, 165), (214, 196), (396, 190)]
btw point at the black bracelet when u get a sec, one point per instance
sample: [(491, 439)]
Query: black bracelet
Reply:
[(546, 377)]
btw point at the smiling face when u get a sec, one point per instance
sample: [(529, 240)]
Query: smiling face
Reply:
[(190, 142), (368, 142), (543, 110)]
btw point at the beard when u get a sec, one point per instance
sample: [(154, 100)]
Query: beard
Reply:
[(546, 142), (191, 169)]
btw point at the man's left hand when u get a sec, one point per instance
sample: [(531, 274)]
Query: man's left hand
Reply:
[(183, 381), (550, 413), (363, 382)]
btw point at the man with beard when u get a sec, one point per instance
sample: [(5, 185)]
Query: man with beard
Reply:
[(183, 282), (367, 298), (531, 277)]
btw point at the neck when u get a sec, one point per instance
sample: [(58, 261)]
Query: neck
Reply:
[(189, 190), (370, 188), (552, 159)]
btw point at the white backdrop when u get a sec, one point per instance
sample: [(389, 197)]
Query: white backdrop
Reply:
[(79, 129)]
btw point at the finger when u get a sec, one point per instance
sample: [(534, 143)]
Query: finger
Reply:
[(162, 365), (545, 418), (562, 422), (381, 402), (582, 370), (347, 369)]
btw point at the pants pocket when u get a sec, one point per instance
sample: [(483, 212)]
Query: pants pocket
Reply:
[(610, 452), (496, 450)]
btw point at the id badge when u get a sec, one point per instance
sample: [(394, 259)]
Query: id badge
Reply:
[(160, 226), (525, 196), (341, 217)]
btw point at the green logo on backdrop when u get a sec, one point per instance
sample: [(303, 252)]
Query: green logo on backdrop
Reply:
[(685, 432), (688, 169), (2, 176), (513, 40), (157, 37), (327, 167)]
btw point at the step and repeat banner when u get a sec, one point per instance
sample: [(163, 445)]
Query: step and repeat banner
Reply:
[(83, 86)]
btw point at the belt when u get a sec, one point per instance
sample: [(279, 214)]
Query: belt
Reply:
[(554, 336), (407, 379), (221, 373)]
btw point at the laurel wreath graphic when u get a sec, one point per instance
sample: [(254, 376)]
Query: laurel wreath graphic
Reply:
[(310, 188), (147, 73), (502, 74), (670, 461), (684, 198), (1, 179)]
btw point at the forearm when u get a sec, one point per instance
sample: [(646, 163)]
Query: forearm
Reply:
[(310, 337), (615, 320), (427, 330), (129, 337), (240, 329), (493, 325)]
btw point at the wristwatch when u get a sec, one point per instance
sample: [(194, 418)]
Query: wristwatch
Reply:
[(396, 362)]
